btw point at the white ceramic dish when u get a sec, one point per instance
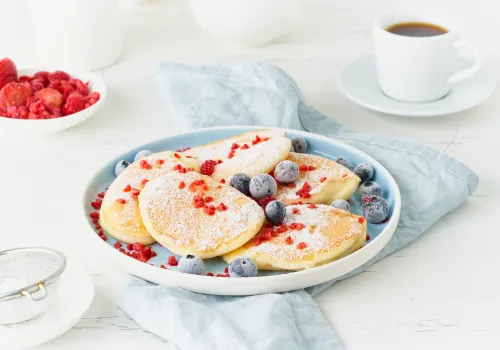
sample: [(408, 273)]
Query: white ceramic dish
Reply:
[(73, 298), (44, 126), (246, 23), (358, 81), (266, 282)]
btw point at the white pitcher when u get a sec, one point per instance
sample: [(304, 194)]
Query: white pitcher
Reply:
[(77, 33)]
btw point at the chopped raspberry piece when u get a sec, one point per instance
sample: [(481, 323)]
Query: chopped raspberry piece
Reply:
[(121, 200), (176, 155), (292, 185), (98, 227), (323, 179), (117, 244), (222, 207), (189, 157), (145, 165), (182, 184), (101, 233), (258, 241), (139, 247), (344, 175), (312, 206), (204, 187), (234, 146), (257, 140), (361, 220), (153, 254), (301, 245), (172, 261), (208, 167), (96, 205), (265, 201), (303, 167), (94, 215), (219, 161), (296, 211), (282, 228), (101, 195), (289, 240), (226, 269), (269, 225), (219, 187), (304, 191), (209, 210), (245, 146), (222, 181), (265, 139), (104, 238), (297, 226), (177, 167), (210, 274), (121, 250), (208, 199), (127, 188), (311, 167), (144, 182), (95, 221), (274, 233), (368, 237), (130, 247), (200, 194), (230, 155), (198, 202), (160, 162), (163, 267)]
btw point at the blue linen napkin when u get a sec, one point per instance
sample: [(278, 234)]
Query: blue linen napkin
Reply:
[(432, 184)]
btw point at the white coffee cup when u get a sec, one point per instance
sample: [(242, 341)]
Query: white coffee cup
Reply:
[(419, 69)]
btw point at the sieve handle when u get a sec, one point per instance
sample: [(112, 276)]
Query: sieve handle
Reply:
[(31, 297)]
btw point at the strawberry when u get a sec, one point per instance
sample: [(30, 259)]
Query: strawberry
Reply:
[(15, 94), (8, 71), (50, 97), (58, 75)]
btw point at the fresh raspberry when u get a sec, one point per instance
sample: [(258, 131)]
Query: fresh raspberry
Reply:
[(74, 104), (208, 167), (58, 75), (8, 72), (50, 97), (172, 261), (25, 78), (15, 94), (80, 87), (37, 84), (42, 75), (64, 87)]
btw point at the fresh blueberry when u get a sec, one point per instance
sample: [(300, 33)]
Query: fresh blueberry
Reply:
[(243, 267), (286, 172), (241, 182), (142, 154), (370, 189), (341, 204), (299, 144), (375, 209), (191, 264), (120, 166), (364, 171), (263, 185), (275, 212), (344, 162)]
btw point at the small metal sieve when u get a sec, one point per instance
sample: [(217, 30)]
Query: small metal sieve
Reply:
[(28, 282)]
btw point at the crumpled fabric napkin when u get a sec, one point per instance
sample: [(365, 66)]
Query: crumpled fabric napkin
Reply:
[(432, 184)]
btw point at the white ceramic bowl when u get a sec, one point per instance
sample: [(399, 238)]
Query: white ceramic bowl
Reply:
[(9, 126), (246, 23)]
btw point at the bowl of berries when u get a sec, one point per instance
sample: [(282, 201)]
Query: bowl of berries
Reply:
[(46, 99)]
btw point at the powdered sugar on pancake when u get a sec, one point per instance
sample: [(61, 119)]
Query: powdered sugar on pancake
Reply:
[(317, 233), (171, 213), (129, 216)]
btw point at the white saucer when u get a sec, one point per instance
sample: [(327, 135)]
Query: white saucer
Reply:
[(74, 295), (359, 83)]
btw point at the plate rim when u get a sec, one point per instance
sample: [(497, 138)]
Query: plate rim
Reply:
[(406, 113), (244, 286)]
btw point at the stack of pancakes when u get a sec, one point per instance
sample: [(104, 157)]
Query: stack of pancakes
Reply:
[(165, 198)]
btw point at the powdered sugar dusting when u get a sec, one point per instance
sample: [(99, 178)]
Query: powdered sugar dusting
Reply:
[(171, 213), (325, 229), (129, 216), (324, 168)]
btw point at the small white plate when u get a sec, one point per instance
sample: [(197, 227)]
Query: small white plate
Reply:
[(359, 83), (74, 296)]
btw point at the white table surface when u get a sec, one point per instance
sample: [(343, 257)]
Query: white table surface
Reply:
[(441, 292)]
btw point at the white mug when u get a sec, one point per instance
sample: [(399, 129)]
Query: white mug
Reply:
[(419, 69)]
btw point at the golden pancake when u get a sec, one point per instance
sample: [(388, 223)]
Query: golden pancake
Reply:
[(310, 235), (251, 153), (326, 181), (120, 215), (192, 214)]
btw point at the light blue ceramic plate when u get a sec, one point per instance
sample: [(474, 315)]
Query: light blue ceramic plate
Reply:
[(267, 281)]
